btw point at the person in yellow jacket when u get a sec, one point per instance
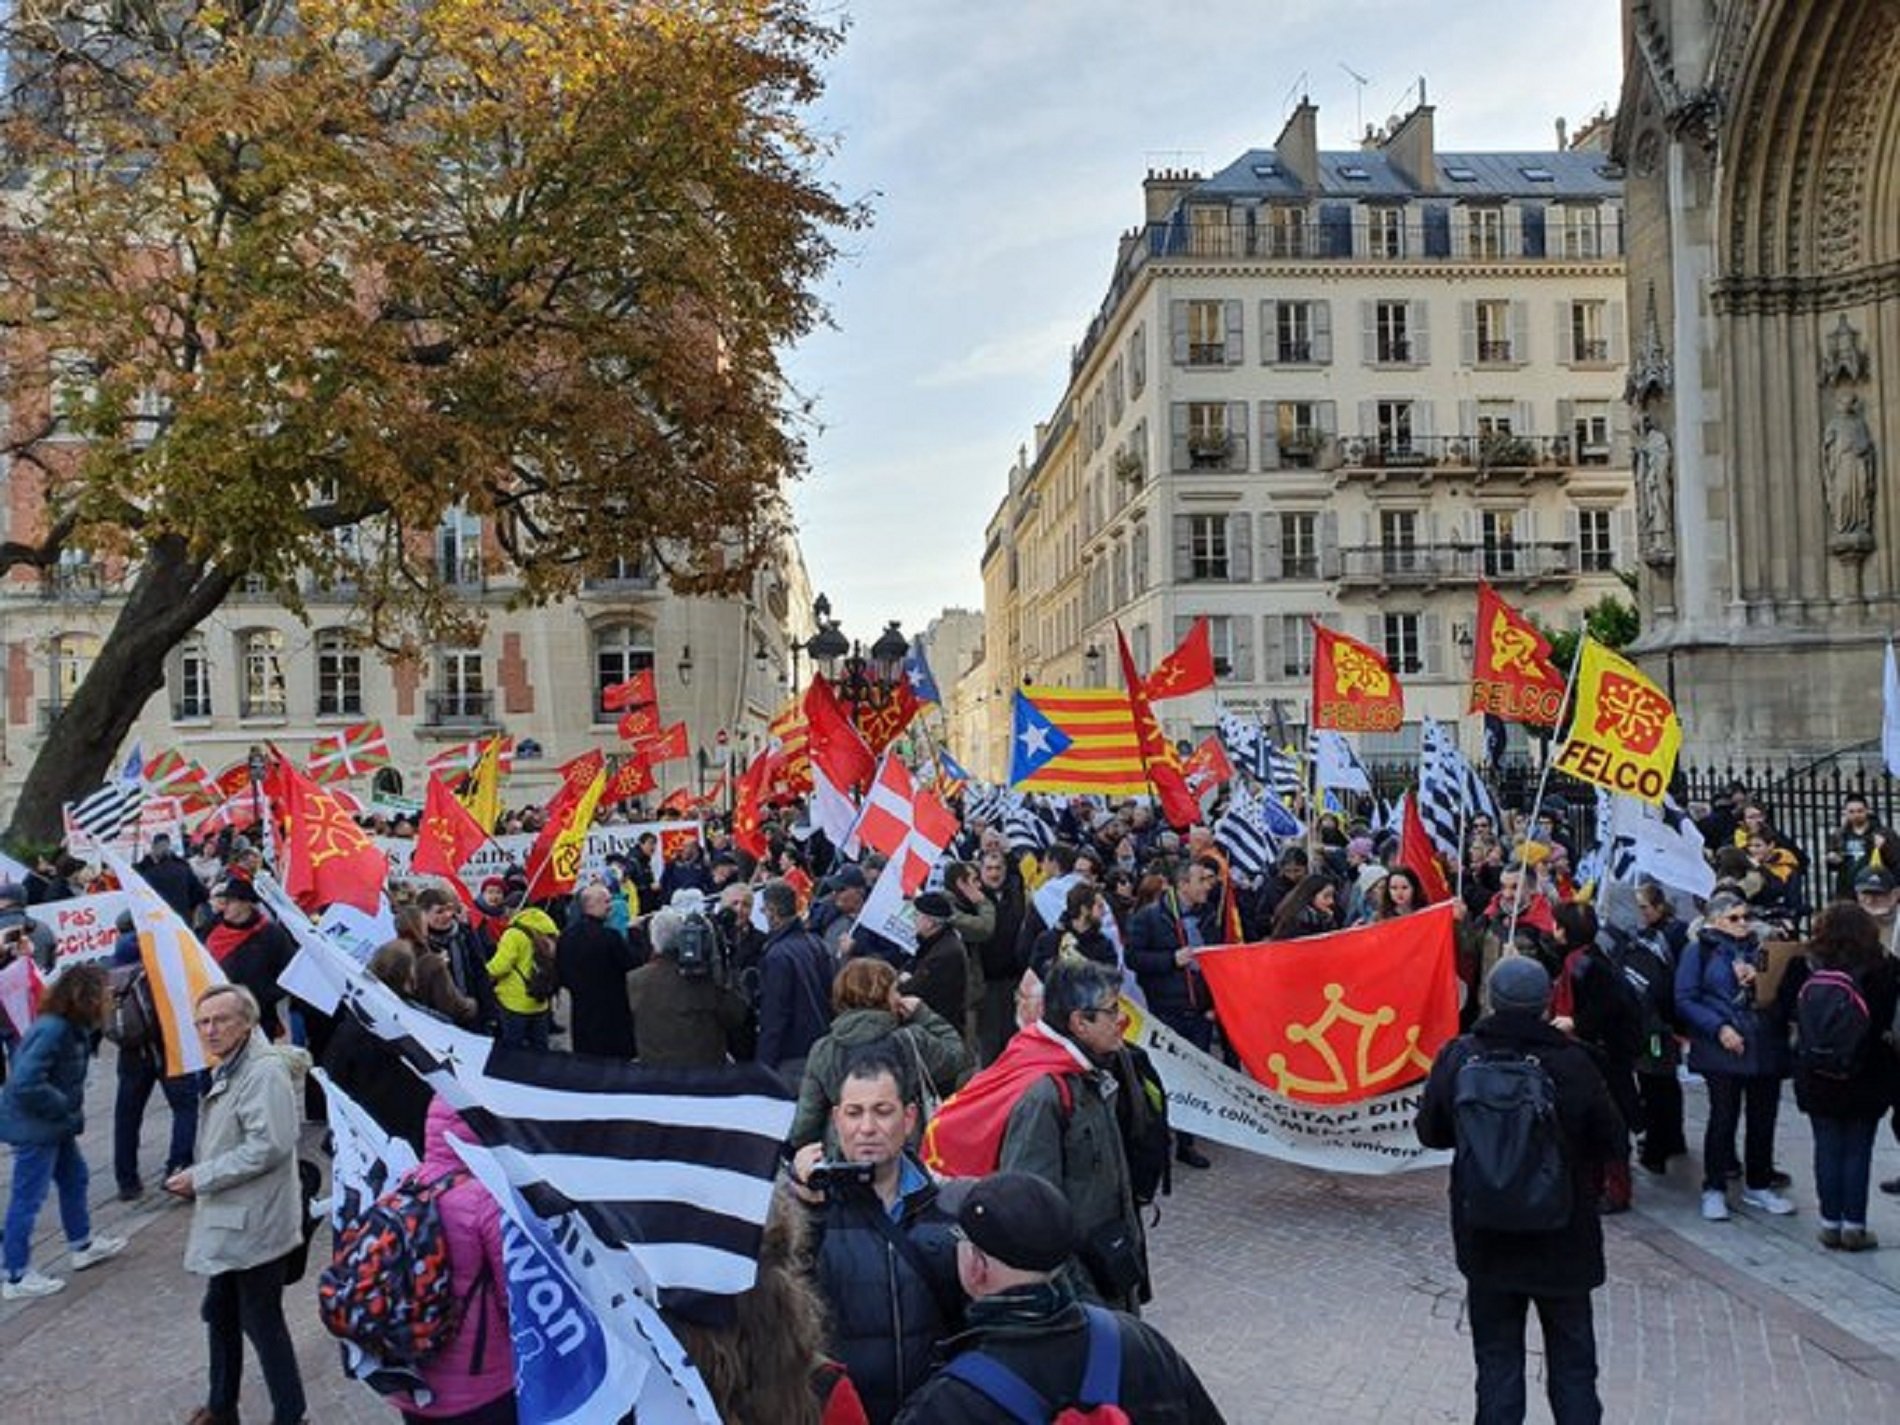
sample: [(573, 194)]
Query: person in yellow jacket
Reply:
[(523, 971)]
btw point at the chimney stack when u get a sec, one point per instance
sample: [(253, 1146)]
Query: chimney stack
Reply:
[(1297, 148), (1563, 134), (1411, 147), (1164, 188)]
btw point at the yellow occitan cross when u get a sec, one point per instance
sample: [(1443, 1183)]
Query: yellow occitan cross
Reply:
[(1366, 1074)]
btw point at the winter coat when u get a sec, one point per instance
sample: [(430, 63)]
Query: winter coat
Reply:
[(1090, 945), (794, 994), (927, 1039), (1041, 1335), (254, 956), (593, 962), (1175, 992), (512, 964), (471, 1225), (370, 1070), (1568, 1260), (886, 1317), (1079, 1150), (44, 1098), (1001, 962), (1871, 1089), (176, 883), (248, 1204), (1708, 997), (940, 975), (436, 988), (681, 1022)]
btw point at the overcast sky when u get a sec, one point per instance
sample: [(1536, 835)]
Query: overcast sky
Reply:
[(1002, 144)]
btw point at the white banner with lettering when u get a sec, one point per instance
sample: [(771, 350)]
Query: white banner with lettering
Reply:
[(494, 856), (1374, 1136)]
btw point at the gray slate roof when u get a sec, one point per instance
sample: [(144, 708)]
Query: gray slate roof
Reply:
[(1258, 173)]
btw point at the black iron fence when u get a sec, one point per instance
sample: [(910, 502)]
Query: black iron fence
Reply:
[(1802, 797)]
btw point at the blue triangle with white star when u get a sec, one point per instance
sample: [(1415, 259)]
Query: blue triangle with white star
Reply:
[(1034, 741)]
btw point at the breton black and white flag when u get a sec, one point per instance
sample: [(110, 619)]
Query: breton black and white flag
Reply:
[(673, 1169), (106, 815), (1025, 825), (1245, 742), (1450, 791), (1243, 833)]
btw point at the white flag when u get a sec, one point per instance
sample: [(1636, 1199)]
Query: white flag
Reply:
[(1336, 764), (1890, 721)]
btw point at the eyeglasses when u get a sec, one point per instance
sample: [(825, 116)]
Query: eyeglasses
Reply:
[(1110, 1011)]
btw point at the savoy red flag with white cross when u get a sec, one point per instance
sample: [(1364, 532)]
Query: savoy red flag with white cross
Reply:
[(905, 823)]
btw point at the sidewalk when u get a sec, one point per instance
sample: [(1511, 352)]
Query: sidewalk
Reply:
[(1298, 1296)]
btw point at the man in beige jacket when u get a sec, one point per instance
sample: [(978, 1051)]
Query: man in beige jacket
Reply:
[(247, 1208)]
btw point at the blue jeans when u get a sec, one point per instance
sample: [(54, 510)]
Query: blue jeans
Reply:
[(524, 1031), (138, 1075), (1843, 1162), (37, 1166), (1496, 1319)]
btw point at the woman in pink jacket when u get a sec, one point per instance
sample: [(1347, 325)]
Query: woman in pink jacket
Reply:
[(473, 1377)]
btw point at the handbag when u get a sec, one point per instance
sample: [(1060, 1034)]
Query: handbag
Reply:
[(927, 1096)]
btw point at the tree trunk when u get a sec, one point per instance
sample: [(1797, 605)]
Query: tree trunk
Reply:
[(172, 594)]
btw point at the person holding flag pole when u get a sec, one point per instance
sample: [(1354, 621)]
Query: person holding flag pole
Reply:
[(1543, 785)]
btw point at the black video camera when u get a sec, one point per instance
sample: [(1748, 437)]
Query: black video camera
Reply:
[(829, 1177)]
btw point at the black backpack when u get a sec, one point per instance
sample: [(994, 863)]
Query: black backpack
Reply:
[(1832, 1023), (1653, 977), (1512, 1170), (132, 1021), (1147, 1141)]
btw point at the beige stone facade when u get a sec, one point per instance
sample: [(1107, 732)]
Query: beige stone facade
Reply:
[(1333, 385), (253, 673), (1761, 143)]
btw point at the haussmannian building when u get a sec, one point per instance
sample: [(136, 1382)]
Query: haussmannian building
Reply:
[(1336, 385)]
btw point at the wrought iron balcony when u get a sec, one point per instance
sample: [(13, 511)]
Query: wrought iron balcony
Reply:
[(1385, 566)]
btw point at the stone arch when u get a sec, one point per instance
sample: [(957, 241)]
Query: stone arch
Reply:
[(1809, 142)]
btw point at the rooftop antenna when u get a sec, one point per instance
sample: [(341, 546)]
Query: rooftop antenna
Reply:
[(1359, 100), (1298, 93)]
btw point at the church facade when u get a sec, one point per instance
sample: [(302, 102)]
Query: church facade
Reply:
[(1760, 141)]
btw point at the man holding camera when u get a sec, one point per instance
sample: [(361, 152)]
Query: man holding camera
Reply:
[(683, 1014), (884, 1253)]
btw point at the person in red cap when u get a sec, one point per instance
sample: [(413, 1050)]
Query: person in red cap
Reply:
[(1032, 1347)]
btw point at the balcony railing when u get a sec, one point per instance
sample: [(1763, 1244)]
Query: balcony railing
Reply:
[(1597, 349), (263, 707), (1479, 453), (1207, 353), (1497, 352), (463, 709), (1295, 353), (1424, 565), (1332, 240)]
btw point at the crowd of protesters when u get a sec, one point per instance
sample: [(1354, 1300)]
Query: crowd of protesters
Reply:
[(879, 1274)]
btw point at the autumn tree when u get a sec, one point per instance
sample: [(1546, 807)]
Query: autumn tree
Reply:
[(278, 269)]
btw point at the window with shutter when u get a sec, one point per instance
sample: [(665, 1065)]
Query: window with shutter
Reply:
[(1300, 554), (1240, 548), (1234, 347), (1322, 319), (1241, 632)]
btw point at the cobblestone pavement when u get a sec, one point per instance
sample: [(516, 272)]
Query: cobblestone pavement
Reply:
[(1297, 1295)]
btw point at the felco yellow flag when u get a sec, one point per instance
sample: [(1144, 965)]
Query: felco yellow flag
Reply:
[(1625, 733)]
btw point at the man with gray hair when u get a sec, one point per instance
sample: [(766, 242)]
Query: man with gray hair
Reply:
[(683, 1017), (593, 961), (1064, 1129)]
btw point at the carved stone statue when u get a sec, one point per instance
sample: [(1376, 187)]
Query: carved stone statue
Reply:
[(1655, 494), (1848, 472)]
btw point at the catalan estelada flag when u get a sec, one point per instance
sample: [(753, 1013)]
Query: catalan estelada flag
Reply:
[(1076, 740), (1337, 1018)]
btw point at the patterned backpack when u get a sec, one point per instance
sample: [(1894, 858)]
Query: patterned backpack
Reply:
[(387, 1287)]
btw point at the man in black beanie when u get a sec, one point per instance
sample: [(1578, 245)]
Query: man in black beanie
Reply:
[(1032, 1348), (1523, 1198)]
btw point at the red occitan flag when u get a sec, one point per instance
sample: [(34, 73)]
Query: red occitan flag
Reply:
[(1353, 688), (1188, 669), (637, 691), (327, 857), (1158, 757), (446, 837), (1334, 1019), (832, 742), (1512, 676)]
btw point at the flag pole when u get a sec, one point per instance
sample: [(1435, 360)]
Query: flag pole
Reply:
[(1543, 782)]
